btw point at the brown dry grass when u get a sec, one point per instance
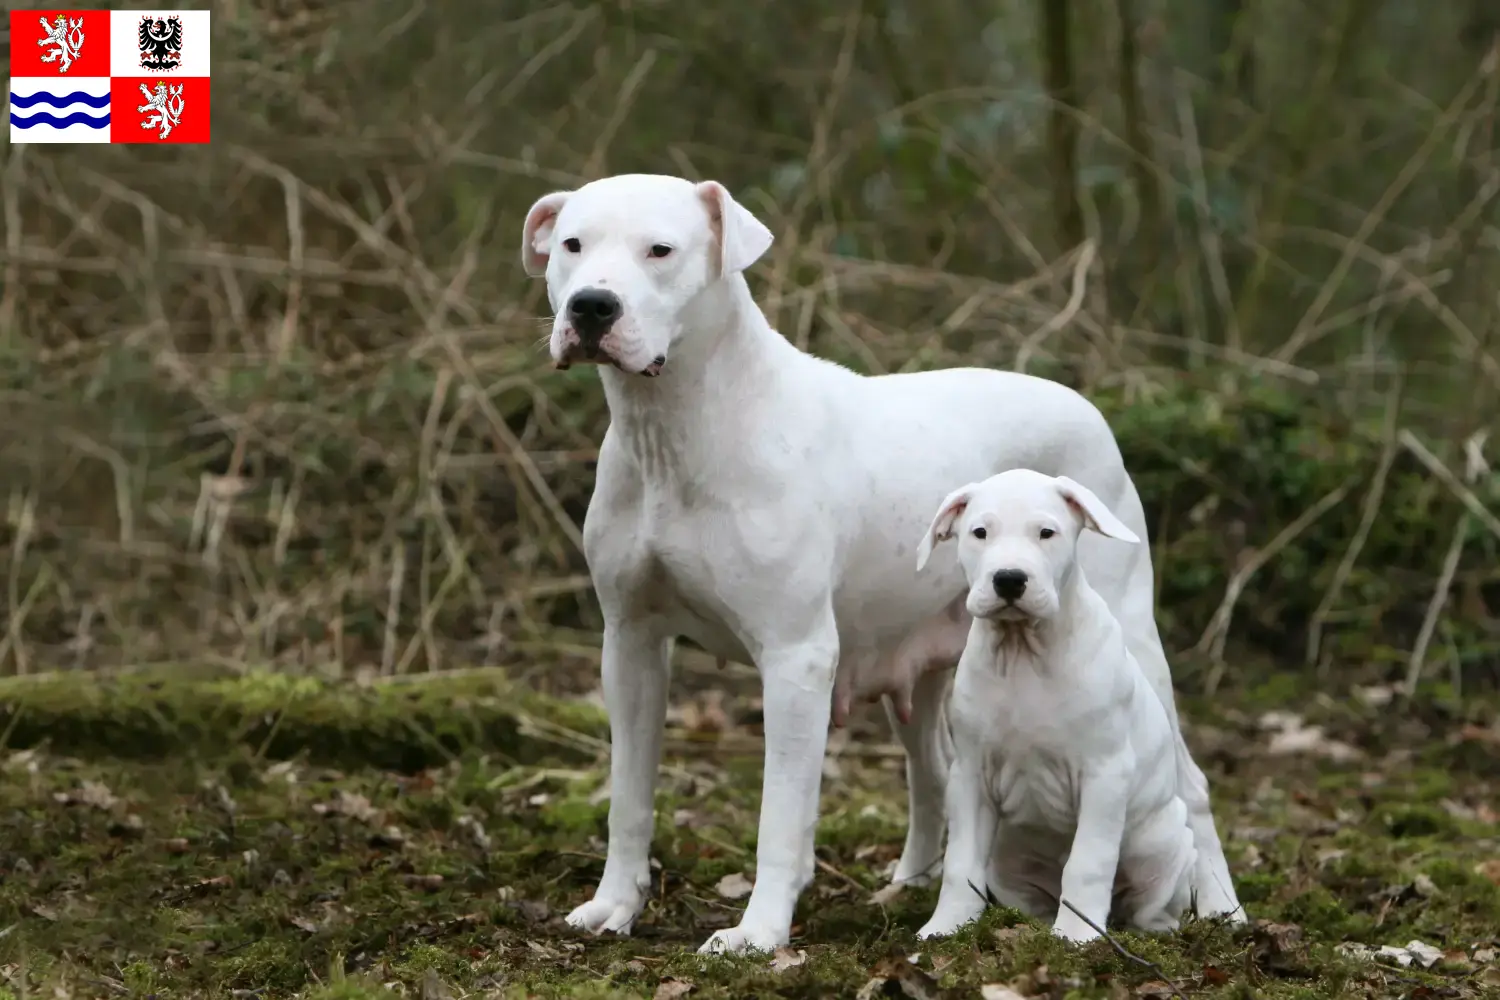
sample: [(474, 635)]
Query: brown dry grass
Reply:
[(279, 401)]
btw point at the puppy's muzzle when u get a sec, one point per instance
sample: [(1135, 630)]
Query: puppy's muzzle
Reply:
[(1009, 584)]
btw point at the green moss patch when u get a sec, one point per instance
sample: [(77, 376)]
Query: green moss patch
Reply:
[(221, 870), (395, 726)]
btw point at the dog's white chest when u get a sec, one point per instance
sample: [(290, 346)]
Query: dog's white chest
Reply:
[(1033, 742), (1036, 790)]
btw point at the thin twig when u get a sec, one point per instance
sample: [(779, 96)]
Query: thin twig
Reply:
[(1124, 952), (1442, 472), (1477, 467), (1435, 605), (1375, 217), (1208, 235), (1362, 532), (1081, 267), (1214, 636)]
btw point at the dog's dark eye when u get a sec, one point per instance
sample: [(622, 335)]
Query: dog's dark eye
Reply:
[(1047, 532), (572, 245), (980, 532), (660, 250)]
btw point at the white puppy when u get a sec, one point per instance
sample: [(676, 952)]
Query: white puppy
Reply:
[(763, 503), (1064, 784)]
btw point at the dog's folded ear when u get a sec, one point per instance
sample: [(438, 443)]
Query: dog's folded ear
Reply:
[(1096, 516), (941, 528), (536, 235), (742, 237)]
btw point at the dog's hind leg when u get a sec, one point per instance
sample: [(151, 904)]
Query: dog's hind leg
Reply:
[(929, 752), (1157, 861), (1212, 885)]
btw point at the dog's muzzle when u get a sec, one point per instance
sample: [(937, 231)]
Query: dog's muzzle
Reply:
[(592, 314), (592, 311)]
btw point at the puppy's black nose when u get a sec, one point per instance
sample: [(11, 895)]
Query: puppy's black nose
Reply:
[(593, 311), (1010, 584)]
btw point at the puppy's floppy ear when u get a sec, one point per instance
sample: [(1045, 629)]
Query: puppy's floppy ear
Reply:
[(536, 235), (742, 237), (1092, 510), (941, 528)]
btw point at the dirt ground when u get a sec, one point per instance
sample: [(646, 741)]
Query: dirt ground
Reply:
[(1354, 822)]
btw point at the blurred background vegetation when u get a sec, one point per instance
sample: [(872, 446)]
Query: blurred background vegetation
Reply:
[(281, 401)]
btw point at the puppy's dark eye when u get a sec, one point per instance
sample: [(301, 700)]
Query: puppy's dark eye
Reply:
[(980, 532), (660, 250), (1047, 532), (572, 245)]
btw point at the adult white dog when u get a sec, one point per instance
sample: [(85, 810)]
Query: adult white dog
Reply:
[(1064, 780), (763, 503)]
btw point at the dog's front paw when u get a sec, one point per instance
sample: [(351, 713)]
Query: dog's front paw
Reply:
[(608, 912), (1070, 927), (747, 937), (911, 873)]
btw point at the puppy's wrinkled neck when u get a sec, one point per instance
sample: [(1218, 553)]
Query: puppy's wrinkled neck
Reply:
[(1040, 643), (1015, 642)]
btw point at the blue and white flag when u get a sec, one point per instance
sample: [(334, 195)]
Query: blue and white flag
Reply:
[(59, 109)]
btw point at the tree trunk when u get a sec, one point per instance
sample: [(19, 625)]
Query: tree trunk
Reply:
[(1062, 123)]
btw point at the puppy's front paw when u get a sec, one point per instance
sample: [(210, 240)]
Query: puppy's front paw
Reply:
[(1070, 927), (942, 925)]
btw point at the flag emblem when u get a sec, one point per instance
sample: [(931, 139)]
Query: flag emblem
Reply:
[(167, 103), (64, 38), (131, 76), (160, 40)]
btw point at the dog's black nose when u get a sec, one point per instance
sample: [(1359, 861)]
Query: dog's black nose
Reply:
[(1010, 584), (593, 311)]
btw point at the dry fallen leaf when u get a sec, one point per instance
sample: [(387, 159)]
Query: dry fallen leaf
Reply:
[(1291, 735), (1424, 955), (1489, 869), (735, 886), (998, 991), (670, 989), (786, 958), (350, 804), (433, 987), (896, 976), (88, 793), (96, 794)]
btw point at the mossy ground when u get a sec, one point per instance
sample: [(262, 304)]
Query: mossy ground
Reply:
[(233, 874)]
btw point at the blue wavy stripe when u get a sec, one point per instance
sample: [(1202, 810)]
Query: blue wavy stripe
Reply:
[(43, 118), (76, 97)]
